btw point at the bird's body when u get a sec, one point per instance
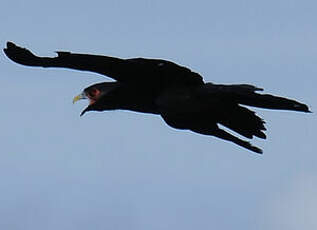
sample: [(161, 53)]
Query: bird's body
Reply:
[(164, 88)]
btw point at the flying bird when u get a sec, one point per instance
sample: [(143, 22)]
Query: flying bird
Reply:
[(161, 87)]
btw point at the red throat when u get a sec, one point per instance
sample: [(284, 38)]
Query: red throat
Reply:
[(93, 96)]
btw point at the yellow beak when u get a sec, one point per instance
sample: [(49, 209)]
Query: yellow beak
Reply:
[(79, 97)]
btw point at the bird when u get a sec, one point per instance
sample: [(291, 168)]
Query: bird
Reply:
[(174, 92)]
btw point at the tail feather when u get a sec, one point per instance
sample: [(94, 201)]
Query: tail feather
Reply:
[(271, 102), (246, 95)]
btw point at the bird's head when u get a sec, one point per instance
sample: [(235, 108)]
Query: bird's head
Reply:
[(95, 94)]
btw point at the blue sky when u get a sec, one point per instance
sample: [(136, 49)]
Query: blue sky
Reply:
[(124, 170)]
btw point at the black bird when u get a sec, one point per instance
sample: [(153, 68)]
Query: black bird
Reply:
[(162, 87)]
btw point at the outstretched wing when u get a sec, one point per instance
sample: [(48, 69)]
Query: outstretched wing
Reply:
[(124, 70)]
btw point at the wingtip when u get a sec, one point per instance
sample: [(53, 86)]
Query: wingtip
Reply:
[(253, 148), (10, 45), (5, 49), (257, 150), (10, 48)]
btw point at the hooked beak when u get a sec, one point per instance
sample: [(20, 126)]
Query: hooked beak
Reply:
[(79, 97)]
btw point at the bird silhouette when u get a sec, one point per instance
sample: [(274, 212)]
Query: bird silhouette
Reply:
[(161, 87)]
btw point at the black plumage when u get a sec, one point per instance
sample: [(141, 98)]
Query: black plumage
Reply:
[(164, 88)]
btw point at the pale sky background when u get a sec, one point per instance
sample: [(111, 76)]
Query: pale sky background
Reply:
[(123, 170)]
